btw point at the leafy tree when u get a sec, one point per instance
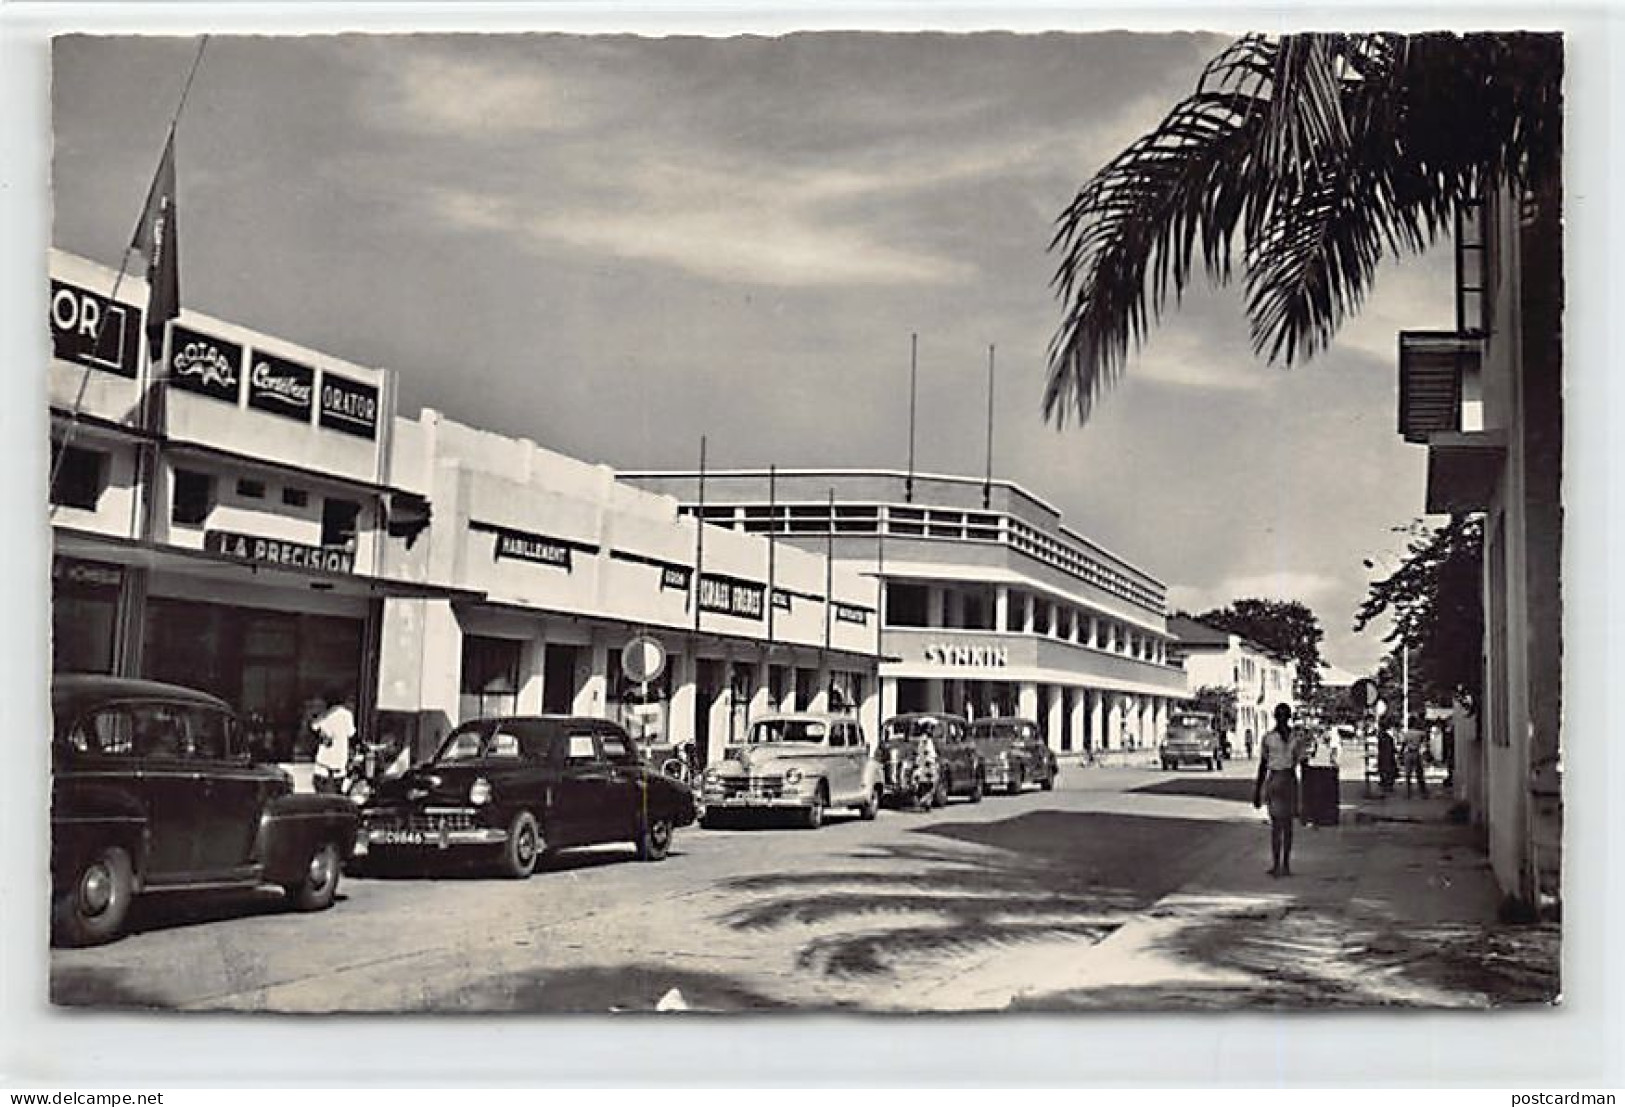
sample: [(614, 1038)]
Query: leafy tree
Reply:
[(1286, 628), (1436, 601), (1322, 154), (1219, 700)]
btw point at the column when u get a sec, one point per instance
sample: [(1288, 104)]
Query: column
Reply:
[(1097, 720), (761, 696), (420, 663), (1027, 700), (935, 602), (680, 721), (1055, 717), (820, 700), (888, 702), (1028, 603), (592, 678), (1113, 739), (720, 709), (1001, 607), (532, 655), (1076, 723)]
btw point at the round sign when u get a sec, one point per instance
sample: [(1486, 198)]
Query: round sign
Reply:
[(643, 659), (1364, 694)]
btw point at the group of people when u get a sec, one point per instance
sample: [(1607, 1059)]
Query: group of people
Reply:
[(1409, 757)]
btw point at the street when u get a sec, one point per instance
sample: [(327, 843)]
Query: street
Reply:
[(1124, 887)]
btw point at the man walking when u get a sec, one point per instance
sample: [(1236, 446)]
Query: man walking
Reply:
[(335, 730), (1279, 754)]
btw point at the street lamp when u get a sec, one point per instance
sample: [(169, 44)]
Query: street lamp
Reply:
[(1386, 563)]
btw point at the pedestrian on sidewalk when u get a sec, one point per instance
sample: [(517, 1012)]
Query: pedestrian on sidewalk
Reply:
[(1411, 758), (1281, 751), (1387, 765)]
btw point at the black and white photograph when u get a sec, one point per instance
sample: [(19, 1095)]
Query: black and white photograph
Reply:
[(828, 521)]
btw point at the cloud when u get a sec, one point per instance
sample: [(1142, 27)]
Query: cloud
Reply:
[(1308, 587), (439, 93)]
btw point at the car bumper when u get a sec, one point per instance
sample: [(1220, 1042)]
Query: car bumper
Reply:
[(1000, 776), (371, 840), (738, 803), (1188, 757)]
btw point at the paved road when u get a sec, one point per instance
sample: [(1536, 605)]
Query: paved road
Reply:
[(888, 915)]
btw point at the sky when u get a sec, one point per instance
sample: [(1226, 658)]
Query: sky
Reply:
[(614, 245)]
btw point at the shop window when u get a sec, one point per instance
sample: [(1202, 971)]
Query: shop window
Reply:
[(194, 498), (251, 489), (339, 522), (490, 680), (905, 604), (81, 475), (295, 497)]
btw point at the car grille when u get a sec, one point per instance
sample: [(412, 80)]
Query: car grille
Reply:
[(764, 785), (430, 823)]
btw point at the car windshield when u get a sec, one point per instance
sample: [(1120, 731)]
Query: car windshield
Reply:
[(897, 729), (1191, 722), (1020, 731), (787, 730), (484, 738)]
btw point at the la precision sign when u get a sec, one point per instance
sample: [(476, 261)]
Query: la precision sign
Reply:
[(275, 551)]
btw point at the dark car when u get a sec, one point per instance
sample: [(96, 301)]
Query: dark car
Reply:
[(1015, 754), (153, 789), (926, 757), (1191, 739), (510, 790)]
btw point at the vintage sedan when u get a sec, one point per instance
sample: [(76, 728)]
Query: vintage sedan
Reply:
[(803, 763), (153, 789), (927, 757), (510, 790), (1191, 740), (1015, 754)]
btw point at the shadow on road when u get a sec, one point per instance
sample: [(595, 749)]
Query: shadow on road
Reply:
[(617, 988), (1206, 785), (965, 886)]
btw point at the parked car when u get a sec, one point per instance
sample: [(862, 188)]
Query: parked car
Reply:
[(927, 757), (803, 763), (510, 790), (1014, 753), (154, 789), (1191, 739)]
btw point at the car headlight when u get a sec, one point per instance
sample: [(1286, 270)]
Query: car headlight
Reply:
[(792, 776), (479, 793), (712, 778)]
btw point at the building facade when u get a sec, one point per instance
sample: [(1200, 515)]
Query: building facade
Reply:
[(252, 518), (1486, 401), (1215, 658), (991, 606)]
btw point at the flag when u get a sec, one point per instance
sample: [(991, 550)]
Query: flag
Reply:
[(157, 241)]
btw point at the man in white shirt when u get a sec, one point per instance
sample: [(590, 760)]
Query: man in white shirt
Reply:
[(1280, 753), (335, 730)]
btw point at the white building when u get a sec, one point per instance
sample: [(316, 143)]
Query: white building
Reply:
[(1215, 658), (991, 605)]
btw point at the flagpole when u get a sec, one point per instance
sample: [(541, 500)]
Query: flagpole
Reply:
[(913, 377), (118, 279), (699, 540), (987, 481), (772, 547)]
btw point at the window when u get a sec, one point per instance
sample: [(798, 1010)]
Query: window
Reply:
[(295, 497), (618, 750), (490, 680), (81, 475), (837, 736), (251, 489), (339, 522), (109, 732), (194, 497), (208, 733), (580, 750), (160, 730)]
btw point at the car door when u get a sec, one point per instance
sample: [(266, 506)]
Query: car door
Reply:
[(583, 789), (172, 789), (858, 758), (623, 797), (234, 790), (964, 754)]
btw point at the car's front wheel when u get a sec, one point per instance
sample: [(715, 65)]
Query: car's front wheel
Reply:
[(92, 908), (320, 885), (523, 847), (654, 838), (870, 807), (978, 785), (812, 816)]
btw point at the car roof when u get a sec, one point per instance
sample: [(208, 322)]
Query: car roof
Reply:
[(72, 693), (928, 715), (803, 716), (1004, 720), (555, 720)]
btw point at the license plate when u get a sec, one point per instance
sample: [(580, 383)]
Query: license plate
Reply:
[(398, 838)]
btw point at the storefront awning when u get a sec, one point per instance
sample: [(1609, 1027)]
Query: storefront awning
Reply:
[(1463, 468)]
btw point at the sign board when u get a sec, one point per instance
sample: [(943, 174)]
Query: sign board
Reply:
[(86, 574), (728, 596), (204, 364), (643, 659), (349, 406), (90, 330), (781, 599), (280, 386), (1363, 694), (516, 545), (675, 577), (978, 656), (275, 551), (846, 613)]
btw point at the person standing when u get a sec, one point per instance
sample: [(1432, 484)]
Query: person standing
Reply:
[(335, 730), (1411, 759), (1387, 763), (1277, 784)]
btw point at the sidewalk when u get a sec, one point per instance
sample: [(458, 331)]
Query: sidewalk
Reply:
[(1395, 906)]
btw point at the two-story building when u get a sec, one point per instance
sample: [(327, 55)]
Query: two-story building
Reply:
[(991, 605), (1215, 658)]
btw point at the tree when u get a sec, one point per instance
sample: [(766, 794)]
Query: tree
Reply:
[(1287, 628), (1324, 154), (1218, 700), (1435, 598)]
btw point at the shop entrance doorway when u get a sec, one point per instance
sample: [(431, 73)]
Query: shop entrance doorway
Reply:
[(559, 678)]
